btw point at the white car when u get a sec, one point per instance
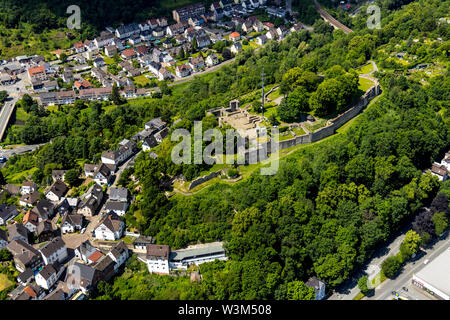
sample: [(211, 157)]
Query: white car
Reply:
[(83, 230), (426, 261)]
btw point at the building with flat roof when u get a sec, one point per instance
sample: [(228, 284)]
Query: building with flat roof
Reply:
[(197, 254), (435, 277)]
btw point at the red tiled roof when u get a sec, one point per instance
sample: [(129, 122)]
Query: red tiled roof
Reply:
[(95, 256), (234, 35)]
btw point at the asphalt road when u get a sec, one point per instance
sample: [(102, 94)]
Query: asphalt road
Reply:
[(384, 291)]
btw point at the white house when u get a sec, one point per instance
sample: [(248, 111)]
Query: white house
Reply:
[(84, 251), (71, 223), (119, 254), (57, 191), (118, 207), (236, 48), (109, 228), (48, 276), (261, 40), (212, 60), (54, 251), (28, 187), (102, 175), (158, 258)]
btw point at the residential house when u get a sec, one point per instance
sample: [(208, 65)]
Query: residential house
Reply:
[(159, 32), (54, 251), (81, 85), (261, 40), (99, 62), (44, 209), (157, 258), (203, 41), (49, 275), (236, 47), (160, 135), (119, 254), (71, 223), (183, 70), (57, 191), (155, 124), (25, 256), (28, 187), (110, 227), (126, 31), (164, 74), (102, 175), (272, 34), (67, 76), (235, 36), (91, 201), (142, 50), (162, 22), (297, 27), (37, 73), (25, 277), (196, 63), (59, 174), (282, 31), (84, 251), (120, 208), (440, 171), (28, 200), (129, 54), (212, 60), (111, 50), (79, 47), (175, 29), (106, 38), (80, 277), (105, 268), (149, 142), (118, 194), (50, 85), (31, 221), (45, 231), (17, 232), (183, 14), (141, 242)]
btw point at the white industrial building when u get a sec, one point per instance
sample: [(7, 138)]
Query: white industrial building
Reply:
[(435, 277)]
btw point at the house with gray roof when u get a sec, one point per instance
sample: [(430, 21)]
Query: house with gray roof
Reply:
[(118, 194)]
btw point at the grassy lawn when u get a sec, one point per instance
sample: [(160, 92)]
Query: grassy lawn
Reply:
[(319, 123), (368, 68), (299, 131), (365, 84), (275, 94), (21, 115), (108, 60), (142, 80), (4, 282)]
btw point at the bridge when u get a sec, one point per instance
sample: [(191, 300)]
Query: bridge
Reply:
[(328, 18), (5, 115)]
